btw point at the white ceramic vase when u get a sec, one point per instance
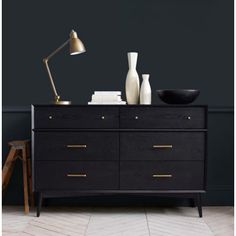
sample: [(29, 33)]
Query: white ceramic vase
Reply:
[(145, 91), (132, 80)]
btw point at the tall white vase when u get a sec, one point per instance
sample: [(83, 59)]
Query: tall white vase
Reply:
[(132, 80), (145, 91)]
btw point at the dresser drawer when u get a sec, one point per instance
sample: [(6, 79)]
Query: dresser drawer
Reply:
[(162, 175), (162, 117), (76, 146), (75, 117), (73, 175), (162, 146)]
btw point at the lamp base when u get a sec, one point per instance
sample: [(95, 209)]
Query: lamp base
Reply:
[(62, 102)]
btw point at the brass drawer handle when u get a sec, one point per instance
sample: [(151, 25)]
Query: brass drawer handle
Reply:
[(77, 175), (162, 176), (163, 146), (76, 146)]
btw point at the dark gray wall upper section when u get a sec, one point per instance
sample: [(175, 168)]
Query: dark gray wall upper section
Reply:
[(181, 43)]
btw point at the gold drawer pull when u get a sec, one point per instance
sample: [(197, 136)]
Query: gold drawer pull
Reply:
[(76, 146), (77, 175), (163, 146), (161, 176)]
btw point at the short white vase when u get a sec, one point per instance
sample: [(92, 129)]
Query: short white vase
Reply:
[(132, 80), (145, 91)]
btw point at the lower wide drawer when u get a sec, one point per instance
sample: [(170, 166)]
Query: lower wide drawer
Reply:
[(162, 175), (73, 175)]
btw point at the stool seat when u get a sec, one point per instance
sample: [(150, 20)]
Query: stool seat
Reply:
[(19, 144), (19, 149)]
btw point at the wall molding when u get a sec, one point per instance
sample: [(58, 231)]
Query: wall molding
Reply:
[(27, 109), (221, 109), (16, 109)]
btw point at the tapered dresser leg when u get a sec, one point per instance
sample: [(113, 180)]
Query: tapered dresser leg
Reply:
[(199, 204), (192, 202), (25, 181), (40, 199)]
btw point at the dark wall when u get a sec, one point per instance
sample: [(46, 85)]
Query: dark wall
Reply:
[(182, 44)]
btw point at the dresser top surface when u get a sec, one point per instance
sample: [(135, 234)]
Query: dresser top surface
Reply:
[(125, 106)]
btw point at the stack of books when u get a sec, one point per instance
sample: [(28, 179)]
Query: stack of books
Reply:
[(107, 97)]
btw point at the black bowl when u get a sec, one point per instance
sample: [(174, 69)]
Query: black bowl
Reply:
[(178, 96)]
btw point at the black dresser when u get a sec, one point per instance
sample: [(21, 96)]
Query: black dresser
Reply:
[(105, 149)]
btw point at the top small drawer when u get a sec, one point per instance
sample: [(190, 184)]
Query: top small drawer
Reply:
[(163, 117), (75, 117)]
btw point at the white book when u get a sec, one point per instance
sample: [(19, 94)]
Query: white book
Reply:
[(99, 98), (106, 95), (107, 103), (107, 92), (106, 100)]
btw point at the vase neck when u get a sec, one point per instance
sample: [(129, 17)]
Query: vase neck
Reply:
[(132, 59), (145, 77)]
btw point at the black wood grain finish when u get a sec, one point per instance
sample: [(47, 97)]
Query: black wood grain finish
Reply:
[(75, 117), (162, 117), (162, 145), (162, 175), (66, 146), (119, 149), (74, 175)]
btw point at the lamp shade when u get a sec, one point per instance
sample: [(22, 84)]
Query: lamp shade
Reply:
[(76, 45)]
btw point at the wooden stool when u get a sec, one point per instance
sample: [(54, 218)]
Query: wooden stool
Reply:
[(19, 149)]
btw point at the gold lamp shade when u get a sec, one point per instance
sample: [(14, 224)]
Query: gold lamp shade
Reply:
[(76, 45)]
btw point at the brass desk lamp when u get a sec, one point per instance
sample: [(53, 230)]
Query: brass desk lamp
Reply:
[(76, 47)]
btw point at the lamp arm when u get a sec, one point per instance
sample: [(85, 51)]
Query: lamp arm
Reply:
[(45, 60), (57, 97), (57, 50)]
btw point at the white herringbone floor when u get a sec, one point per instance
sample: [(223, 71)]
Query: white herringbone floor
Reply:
[(119, 221)]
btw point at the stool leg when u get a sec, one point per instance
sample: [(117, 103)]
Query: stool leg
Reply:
[(8, 168), (26, 200)]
